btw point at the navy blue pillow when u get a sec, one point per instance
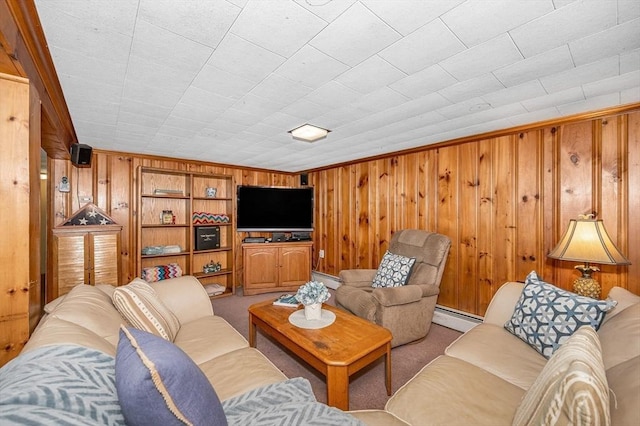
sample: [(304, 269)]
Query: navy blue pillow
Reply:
[(158, 384)]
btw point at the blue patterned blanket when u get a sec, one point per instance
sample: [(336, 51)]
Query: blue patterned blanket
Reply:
[(74, 385)]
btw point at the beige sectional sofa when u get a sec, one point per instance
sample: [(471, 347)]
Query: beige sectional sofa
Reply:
[(480, 380), (484, 375), (87, 317)]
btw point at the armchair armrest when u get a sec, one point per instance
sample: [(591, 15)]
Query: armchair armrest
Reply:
[(392, 296), (503, 303), (357, 277)]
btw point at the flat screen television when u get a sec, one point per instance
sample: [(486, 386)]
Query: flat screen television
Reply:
[(274, 209)]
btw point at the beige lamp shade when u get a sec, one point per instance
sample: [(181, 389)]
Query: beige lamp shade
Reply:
[(586, 240)]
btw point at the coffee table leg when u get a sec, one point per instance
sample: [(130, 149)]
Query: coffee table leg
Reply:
[(387, 368), (252, 332), (338, 387)]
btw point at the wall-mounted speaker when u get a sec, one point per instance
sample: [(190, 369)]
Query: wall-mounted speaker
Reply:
[(81, 155), (304, 179)]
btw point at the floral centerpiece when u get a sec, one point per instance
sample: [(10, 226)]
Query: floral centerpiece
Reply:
[(312, 295)]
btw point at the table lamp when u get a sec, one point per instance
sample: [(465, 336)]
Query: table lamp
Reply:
[(586, 240)]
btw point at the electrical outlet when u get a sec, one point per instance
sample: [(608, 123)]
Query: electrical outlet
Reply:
[(321, 254), (86, 199)]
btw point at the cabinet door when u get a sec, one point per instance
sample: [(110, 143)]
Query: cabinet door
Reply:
[(294, 265), (105, 264), (71, 260), (260, 268)]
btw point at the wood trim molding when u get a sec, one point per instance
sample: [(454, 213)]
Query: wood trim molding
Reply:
[(25, 43)]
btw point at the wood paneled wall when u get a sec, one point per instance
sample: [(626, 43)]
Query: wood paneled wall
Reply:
[(111, 182), (503, 201)]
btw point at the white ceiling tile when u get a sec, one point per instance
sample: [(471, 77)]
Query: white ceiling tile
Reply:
[(630, 61), (562, 3), (88, 67), (279, 26), (569, 23), (496, 17), (605, 68), (534, 116), (150, 74), (245, 59), (255, 105), (590, 104), (140, 120), (327, 10), (558, 98), (311, 67), (238, 117), (530, 89), (471, 88), (426, 46), (370, 75), (203, 99), (630, 96), (613, 84), (304, 108), (142, 93), (263, 130), (628, 10), (380, 100), (483, 58), (366, 33), (197, 113), (204, 22), (133, 106), (284, 122), (424, 82), (619, 39), (118, 17), (410, 14), (222, 83), (76, 89), (333, 95), (547, 63), (281, 88), (166, 48)]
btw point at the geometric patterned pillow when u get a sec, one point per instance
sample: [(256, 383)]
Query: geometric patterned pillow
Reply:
[(546, 316), (394, 270), (572, 387), (139, 304)]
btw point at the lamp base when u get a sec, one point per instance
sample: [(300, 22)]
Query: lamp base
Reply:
[(587, 286)]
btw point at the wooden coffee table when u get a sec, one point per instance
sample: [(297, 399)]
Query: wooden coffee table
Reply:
[(337, 351)]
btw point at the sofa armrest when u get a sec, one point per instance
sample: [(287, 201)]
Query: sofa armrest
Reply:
[(185, 296), (501, 307), (392, 296), (357, 277)]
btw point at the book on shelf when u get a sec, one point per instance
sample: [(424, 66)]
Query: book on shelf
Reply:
[(287, 300), (214, 289)]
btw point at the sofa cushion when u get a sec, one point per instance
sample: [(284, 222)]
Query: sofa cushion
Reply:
[(138, 303), (625, 392), (515, 362), (571, 389), (159, 384), (90, 308), (393, 271), (449, 391), (546, 316), (620, 337)]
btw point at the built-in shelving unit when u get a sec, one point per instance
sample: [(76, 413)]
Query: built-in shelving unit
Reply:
[(186, 219)]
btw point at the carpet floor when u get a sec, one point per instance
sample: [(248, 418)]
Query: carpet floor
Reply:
[(367, 388)]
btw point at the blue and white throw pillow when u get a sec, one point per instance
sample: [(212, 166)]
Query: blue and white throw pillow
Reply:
[(394, 270), (158, 384), (546, 316)]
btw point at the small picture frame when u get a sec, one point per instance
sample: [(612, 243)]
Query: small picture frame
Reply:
[(211, 192)]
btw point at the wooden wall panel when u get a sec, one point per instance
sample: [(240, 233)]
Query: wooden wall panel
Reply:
[(503, 201)]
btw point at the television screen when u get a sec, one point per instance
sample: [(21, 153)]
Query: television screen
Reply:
[(271, 209)]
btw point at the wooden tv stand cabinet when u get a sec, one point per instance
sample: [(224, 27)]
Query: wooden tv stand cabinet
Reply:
[(271, 267)]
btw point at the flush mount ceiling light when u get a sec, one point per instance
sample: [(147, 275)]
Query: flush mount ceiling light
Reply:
[(309, 133)]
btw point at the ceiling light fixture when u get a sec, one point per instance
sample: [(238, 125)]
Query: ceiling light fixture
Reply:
[(309, 133)]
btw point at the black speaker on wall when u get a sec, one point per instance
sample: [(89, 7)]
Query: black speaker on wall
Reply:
[(81, 155), (304, 179)]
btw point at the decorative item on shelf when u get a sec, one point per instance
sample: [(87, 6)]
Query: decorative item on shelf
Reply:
[(312, 295), (204, 218), (161, 272), (211, 267), (167, 217), (214, 289), (211, 192), (207, 237), (168, 192), (586, 240), (152, 250)]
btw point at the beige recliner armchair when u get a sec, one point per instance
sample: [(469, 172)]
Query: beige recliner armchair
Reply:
[(405, 310)]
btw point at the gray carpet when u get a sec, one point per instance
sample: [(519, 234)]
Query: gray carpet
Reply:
[(367, 388)]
